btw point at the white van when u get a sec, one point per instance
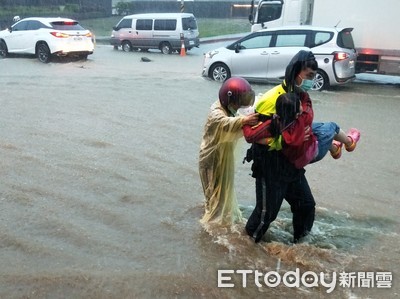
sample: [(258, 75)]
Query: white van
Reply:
[(161, 31)]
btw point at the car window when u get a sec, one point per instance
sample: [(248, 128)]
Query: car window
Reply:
[(20, 26), (165, 25), (322, 38), (291, 40), (345, 40), (258, 41), (66, 25), (189, 23), (144, 24), (125, 23), (35, 25)]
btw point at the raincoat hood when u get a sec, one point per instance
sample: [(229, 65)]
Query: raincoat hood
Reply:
[(294, 68)]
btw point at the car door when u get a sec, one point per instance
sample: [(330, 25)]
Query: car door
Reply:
[(124, 29), (287, 43), (16, 39), (143, 35), (32, 34), (165, 30), (251, 55)]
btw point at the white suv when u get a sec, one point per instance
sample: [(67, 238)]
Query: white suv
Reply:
[(264, 55), (45, 37)]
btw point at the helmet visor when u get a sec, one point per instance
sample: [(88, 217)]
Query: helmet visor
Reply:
[(247, 98)]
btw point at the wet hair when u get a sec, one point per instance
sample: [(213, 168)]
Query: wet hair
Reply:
[(287, 106), (302, 60)]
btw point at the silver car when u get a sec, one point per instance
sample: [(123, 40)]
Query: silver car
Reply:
[(264, 55)]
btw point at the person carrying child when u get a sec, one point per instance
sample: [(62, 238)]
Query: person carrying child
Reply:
[(279, 173)]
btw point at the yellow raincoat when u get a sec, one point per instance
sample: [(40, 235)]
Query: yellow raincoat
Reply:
[(216, 166)]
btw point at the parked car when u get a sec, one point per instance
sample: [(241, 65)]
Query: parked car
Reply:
[(45, 37), (163, 31), (264, 55)]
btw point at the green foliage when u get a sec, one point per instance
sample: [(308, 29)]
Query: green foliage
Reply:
[(124, 8), (72, 8), (214, 27), (30, 11), (207, 27)]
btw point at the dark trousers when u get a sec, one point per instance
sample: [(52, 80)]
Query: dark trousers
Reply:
[(277, 179)]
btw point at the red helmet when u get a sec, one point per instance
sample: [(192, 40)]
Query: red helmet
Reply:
[(236, 90)]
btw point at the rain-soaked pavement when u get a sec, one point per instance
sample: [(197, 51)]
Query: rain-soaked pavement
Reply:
[(100, 195)]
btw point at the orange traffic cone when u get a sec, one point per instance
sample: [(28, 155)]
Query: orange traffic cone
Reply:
[(183, 50)]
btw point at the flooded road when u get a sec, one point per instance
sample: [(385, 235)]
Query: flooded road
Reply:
[(100, 195)]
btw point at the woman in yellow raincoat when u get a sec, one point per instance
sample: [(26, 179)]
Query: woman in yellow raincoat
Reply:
[(216, 161)]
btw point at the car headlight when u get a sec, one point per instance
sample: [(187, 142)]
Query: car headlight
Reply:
[(210, 54)]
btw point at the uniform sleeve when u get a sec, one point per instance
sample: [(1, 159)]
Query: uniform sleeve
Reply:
[(257, 132)]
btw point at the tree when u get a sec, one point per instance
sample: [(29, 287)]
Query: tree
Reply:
[(124, 8)]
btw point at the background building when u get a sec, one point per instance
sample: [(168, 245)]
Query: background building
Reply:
[(78, 9), (86, 9), (200, 8)]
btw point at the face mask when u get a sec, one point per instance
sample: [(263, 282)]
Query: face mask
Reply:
[(306, 84)]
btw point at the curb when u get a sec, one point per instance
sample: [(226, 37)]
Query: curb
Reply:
[(206, 40)]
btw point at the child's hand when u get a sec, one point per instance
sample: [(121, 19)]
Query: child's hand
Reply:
[(251, 119), (307, 133)]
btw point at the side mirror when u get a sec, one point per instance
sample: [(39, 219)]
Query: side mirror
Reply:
[(116, 28), (10, 29), (237, 48), (251, 19)]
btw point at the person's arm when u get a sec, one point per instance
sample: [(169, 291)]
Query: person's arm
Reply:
[(295, 135), (257, 132)]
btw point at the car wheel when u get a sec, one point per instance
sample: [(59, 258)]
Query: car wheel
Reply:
[(166, 48), (3, 49), (43, 53), (83, 56), (220, 72), (321, 81), (126, 46)]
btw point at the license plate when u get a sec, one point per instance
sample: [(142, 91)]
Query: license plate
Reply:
[(77, 38), (191, 42)]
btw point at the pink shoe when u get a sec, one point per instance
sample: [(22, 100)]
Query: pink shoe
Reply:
[(354, 134), (338, 153)]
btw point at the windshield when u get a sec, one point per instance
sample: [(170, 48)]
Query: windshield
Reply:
[(269, 12), (189, 23)]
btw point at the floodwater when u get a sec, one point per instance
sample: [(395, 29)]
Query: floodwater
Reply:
[(100, 195)]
